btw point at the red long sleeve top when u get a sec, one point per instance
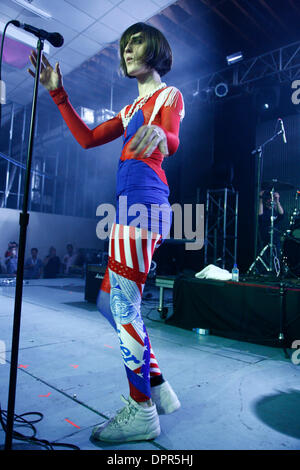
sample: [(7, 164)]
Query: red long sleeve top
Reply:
[(168, 118)]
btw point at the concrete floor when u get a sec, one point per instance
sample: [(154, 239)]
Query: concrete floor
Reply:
[(234, 395)]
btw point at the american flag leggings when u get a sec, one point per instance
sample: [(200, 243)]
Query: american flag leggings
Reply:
[(130, 254)]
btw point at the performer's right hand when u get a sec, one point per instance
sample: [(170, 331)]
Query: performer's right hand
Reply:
[(50, 78)]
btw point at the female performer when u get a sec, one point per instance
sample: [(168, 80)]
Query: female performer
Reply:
[(150, 129)]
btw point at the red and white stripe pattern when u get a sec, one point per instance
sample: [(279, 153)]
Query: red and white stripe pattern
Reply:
[(133, 246), (154, 369)]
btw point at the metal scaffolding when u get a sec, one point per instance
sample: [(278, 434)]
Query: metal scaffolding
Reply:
[(282, 64), (220, 245), (56, 175)]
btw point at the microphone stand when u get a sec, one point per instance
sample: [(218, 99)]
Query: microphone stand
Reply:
[(282, 288), (259, 152), (23, 221)]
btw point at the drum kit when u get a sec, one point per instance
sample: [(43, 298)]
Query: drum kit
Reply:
[(287, 262), (291, 241)]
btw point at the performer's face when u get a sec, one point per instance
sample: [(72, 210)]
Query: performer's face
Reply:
[(134, 53), (268, 203)]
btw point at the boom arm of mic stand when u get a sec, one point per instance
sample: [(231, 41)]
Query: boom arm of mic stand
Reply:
[(24, 219)]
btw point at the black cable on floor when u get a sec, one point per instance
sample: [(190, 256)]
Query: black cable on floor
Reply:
[(151, 309), (22, 422)]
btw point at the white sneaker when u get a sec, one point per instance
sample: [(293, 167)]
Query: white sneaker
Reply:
[(131, 423), (165, 398)]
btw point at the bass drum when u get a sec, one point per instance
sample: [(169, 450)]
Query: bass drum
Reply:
[(291, 248)]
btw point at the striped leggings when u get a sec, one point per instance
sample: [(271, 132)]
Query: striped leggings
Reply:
[(119, 300)]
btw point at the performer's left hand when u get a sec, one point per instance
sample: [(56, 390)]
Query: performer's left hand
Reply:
[(147, 139)]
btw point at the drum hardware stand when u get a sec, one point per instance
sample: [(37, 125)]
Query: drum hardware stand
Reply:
[(281, 336), (259, 153), (287, 236), (282, 304), (285, 269), (273, 255)]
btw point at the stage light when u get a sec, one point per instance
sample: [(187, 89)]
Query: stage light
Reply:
[(267, 98), (37, 11), (196, 92), (234, 58), (221, 89)]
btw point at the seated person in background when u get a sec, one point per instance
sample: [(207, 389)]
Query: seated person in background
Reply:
[(33, 266), (9, 248), (69, 259), (51, 264), (8, 252), (79, 263), (11, 258), (265, 212)]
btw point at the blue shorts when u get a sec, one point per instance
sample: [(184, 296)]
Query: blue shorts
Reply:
[(145, 208)]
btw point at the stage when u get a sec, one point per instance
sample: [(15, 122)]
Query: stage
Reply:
[(234, 394), (262, 309)]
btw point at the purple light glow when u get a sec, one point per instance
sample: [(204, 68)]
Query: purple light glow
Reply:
[(15, 53)]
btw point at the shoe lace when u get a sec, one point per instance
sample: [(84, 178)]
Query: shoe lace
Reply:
[(124, 415)]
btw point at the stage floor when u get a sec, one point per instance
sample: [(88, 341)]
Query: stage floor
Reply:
[(234, 395)]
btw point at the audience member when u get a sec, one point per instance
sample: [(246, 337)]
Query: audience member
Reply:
[(8, 252), (33, 266), (11, 258), (51, 264), (69, 259)]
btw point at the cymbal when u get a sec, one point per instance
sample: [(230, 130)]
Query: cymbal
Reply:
[(277, 185)]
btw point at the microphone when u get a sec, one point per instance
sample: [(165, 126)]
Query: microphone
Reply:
[(282, 130), (55, 39)]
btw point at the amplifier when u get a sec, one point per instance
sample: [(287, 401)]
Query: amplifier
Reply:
[(93, 281)]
